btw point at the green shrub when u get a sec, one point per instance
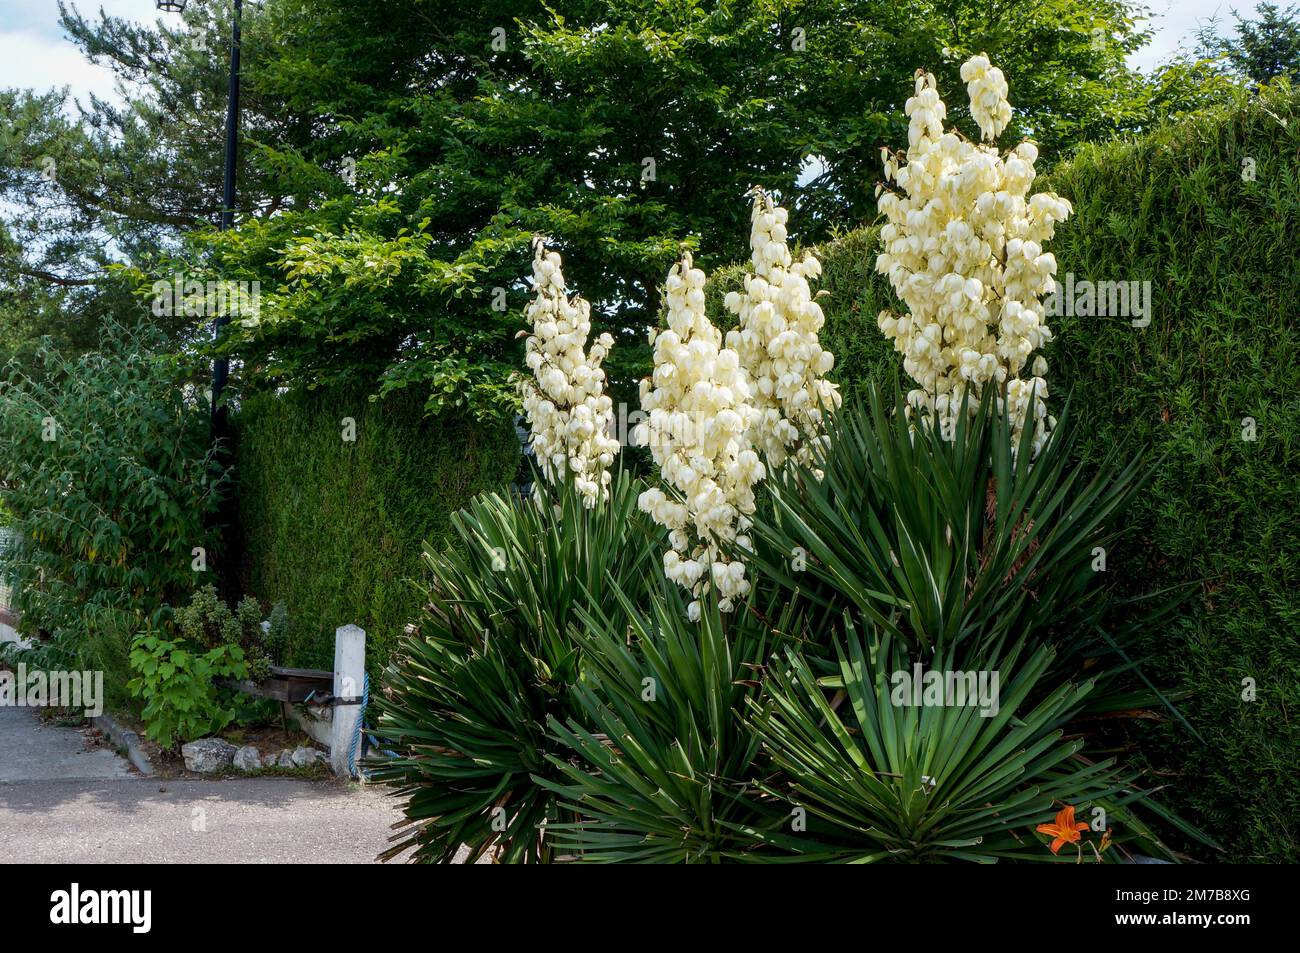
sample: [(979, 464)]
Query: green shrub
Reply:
[(923, 784), (657, 763), (106, 648), (104, 645), (334, 528), (495, 655), (177, 682), (277, 632), (956, 556), (105, 469), (950, 543), (1221, 511), (208, 623)]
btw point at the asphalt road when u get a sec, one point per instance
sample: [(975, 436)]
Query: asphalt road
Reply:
[(34, 750), (61, 802)]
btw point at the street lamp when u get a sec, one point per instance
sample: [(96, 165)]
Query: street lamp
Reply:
[(220, 432), (221, 367)]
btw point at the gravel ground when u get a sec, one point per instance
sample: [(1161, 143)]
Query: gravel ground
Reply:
[(253, 821), (63, 801)]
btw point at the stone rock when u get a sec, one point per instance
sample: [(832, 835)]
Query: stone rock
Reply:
[(248, 758), (285, 760), (304, 757), (208, 755)]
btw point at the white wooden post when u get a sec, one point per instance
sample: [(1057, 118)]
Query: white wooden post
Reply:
[(349, 681)]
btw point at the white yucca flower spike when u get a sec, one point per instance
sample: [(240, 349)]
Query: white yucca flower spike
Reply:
[(777, 341), (699, 416), (564, 400), (963, 249), (987, 89)]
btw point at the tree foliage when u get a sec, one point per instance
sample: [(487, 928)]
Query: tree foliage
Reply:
[(106, 473), (1263, 49), (398, 155)]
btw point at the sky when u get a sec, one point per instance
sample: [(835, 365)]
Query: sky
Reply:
[(1175, 23), (34, 53)]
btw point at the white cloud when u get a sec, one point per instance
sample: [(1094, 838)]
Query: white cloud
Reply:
[(35, 53), (28, 59)]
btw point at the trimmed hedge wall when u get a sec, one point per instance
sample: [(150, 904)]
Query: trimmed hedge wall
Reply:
[(1223, 257), (334, 529)]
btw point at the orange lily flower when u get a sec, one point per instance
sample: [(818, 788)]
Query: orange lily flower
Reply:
[(1064, 829)]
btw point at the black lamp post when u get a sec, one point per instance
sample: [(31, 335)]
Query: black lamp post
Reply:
[(220, 432), (221, 366)]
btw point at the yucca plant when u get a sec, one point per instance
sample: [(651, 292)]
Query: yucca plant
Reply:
[(468, 698), (949, 543), (658, 764), (885, 781)]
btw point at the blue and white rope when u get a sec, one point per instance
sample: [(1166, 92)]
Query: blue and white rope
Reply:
[(353, 767)]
